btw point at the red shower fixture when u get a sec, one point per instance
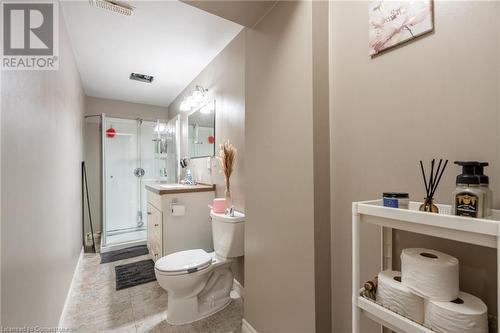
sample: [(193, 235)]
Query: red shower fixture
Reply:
[(211, 139), (110, 132)]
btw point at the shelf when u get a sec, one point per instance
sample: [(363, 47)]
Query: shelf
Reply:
[(389, 319), (482, 232)]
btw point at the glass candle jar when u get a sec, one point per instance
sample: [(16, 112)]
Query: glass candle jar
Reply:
[(396, 200)]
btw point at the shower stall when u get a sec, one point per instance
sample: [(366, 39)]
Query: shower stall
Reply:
[(135, 152)]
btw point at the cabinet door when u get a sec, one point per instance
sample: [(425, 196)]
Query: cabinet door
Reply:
[(154, 237), (156, 252), (157, 236), (154, 199), (149, 225)]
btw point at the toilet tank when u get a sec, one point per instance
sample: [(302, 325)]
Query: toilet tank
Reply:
[(228, 234)]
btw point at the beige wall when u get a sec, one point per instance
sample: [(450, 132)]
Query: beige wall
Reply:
[(41, 154), (435, 97), (224, 78), (1, 215), (285, 267), (114, 108), (321, 151), (92, 155)]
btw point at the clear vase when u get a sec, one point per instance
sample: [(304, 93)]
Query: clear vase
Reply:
[(229, 201)]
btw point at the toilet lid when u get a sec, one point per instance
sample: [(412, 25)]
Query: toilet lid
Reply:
[(189, 261)]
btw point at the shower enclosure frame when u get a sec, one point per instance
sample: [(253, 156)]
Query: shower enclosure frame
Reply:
[(105, 247), (104, 236)]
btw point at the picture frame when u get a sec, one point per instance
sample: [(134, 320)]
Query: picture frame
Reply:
[(392, 23)]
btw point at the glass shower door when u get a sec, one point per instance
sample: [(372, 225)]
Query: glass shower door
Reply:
[(122, 180), (135, 152)]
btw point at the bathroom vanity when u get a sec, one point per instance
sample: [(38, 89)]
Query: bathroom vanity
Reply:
[(178, 218)]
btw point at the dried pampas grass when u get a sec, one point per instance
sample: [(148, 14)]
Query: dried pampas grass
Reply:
[(227, 155)]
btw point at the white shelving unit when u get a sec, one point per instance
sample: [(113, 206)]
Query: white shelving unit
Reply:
[(483, 232)]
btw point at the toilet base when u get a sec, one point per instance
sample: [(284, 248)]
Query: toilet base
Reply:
[(214, 297), (183, 312)]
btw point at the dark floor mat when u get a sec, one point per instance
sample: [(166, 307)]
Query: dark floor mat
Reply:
[(129, 252), (136, 273)]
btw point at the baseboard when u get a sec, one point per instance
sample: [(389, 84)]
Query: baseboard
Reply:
[(238, 288), (247, 328), (70, 290)]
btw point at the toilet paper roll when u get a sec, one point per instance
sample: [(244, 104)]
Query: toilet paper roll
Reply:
[(394, 295), (466, 314), (430, 274)]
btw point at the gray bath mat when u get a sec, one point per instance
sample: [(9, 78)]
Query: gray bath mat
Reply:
[(136, 273), (129, 252)]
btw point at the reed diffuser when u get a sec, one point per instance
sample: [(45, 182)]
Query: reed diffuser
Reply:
[(431, 185), (227, 155)]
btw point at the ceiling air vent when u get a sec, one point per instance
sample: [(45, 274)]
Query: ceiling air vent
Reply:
[(141, 77), (114, 6)]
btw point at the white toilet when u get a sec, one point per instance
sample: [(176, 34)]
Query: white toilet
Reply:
[(198, 283)]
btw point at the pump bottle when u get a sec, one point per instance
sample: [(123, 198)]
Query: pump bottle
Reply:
[(468, 198), (484, 183)]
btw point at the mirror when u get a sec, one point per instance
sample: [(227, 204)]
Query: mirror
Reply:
[(201, 131)]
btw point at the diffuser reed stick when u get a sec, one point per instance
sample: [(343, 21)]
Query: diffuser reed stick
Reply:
[(432, 184), (439, 178)]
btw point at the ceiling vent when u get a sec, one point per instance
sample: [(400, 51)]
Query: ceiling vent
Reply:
[(114, 6), (141, 77)]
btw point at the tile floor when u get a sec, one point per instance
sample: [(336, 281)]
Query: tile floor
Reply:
[(95, 305)]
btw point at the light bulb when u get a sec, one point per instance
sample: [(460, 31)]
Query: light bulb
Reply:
[(197, 96), (191, 102), (184, 106)]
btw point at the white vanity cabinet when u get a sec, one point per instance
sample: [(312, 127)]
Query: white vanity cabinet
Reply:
[(170, 231), (154, 231)]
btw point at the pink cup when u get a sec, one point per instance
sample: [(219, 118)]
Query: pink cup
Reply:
[(219, 205)]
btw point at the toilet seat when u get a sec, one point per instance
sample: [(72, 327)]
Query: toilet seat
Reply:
[(183, 262)]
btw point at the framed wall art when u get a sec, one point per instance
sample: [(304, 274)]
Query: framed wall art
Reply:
[(395, 22)]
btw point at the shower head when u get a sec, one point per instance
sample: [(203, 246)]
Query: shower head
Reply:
[(114, 6)]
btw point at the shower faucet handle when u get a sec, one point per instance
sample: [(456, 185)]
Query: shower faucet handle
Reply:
[(139, 172)]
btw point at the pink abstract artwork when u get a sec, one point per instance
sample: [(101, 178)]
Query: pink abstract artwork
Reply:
[(396, 22)]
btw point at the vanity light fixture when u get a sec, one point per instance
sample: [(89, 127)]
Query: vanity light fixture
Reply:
[(198, 95), (184, 107), (191, 102), (195, 100)]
